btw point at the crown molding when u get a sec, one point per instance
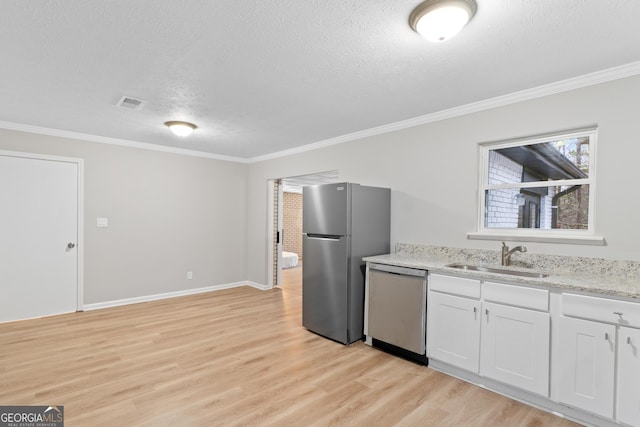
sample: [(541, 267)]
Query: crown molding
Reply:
[(591, 79), (115, 141), (603, 76)]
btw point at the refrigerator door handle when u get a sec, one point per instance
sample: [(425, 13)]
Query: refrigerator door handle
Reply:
[(323, 236)]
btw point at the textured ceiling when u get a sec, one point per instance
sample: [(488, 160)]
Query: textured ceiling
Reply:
[(259, 77)]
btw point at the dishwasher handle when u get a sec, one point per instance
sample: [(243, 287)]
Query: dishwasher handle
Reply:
[(402, 271)]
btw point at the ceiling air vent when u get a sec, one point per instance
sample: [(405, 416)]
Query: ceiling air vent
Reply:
[(131, 103)]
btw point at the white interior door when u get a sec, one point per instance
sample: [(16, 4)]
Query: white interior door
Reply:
[(38, 237)]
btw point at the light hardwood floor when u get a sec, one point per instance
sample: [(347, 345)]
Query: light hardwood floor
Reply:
[(229, 358), (292, 279)]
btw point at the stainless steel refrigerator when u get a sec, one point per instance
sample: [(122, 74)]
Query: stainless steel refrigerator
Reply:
[(341, 223)]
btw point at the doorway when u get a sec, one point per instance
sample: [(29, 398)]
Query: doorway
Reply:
[(41, 229), (285, 255)]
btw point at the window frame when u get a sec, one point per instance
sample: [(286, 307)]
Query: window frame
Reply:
[(587, 236)]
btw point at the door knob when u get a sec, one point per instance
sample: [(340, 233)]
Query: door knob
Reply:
[(71, 245)]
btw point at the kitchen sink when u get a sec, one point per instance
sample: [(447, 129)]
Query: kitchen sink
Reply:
[(469, 267)]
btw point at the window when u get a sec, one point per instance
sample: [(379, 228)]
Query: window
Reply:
[(538, 189)]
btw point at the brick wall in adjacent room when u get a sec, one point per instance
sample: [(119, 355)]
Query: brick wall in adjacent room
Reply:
[(292, 223)]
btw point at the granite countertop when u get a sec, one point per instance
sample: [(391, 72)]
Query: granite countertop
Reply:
[(611, 278)]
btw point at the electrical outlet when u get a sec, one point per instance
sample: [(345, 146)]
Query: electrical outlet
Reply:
[(102, 222), (189, 275)]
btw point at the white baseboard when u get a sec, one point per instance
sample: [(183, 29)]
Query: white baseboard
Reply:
[(147, 298), (537, 401), (259, 286)]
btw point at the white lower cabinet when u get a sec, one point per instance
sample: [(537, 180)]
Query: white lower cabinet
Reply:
[(586, 365), (502, 332), (599, 357), (499, 341), (515, 347), (454, 330), (628, 395)]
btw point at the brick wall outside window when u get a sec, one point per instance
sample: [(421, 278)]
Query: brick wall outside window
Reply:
[(503, 210), (501, 204)]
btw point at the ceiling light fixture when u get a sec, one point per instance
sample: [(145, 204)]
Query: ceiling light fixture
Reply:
[(440, 20), (181, 128)]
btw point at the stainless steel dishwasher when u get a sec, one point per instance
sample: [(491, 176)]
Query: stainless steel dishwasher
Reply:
[(397, 310)]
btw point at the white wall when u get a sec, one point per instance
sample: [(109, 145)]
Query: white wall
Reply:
[(168, 214), (432, 171)]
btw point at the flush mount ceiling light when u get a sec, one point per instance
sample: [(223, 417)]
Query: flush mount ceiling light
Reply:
[(440, 20), (181, 128)]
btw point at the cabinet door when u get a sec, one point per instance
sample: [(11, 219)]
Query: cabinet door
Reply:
[(629, 376), (515, 347), (453, 330), (586, 365)]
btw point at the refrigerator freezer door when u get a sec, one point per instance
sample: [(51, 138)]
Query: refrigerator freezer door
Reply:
[(325, 209), (325, 298)]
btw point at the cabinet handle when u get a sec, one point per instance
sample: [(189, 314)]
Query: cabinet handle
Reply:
[(475, 310), (618, 313), (628, 340), (606, 336)]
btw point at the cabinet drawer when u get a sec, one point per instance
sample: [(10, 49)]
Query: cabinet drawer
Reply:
[(536, 299), (455, 285), (601, 309)]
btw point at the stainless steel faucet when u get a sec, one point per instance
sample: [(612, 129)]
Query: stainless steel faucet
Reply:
[(506, 253)]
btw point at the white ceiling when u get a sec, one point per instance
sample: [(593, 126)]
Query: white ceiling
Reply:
[(260, 77)]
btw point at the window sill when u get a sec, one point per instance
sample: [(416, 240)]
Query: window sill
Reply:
[(541, 237)]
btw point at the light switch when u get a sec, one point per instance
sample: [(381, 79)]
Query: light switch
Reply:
[(102, 222)]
